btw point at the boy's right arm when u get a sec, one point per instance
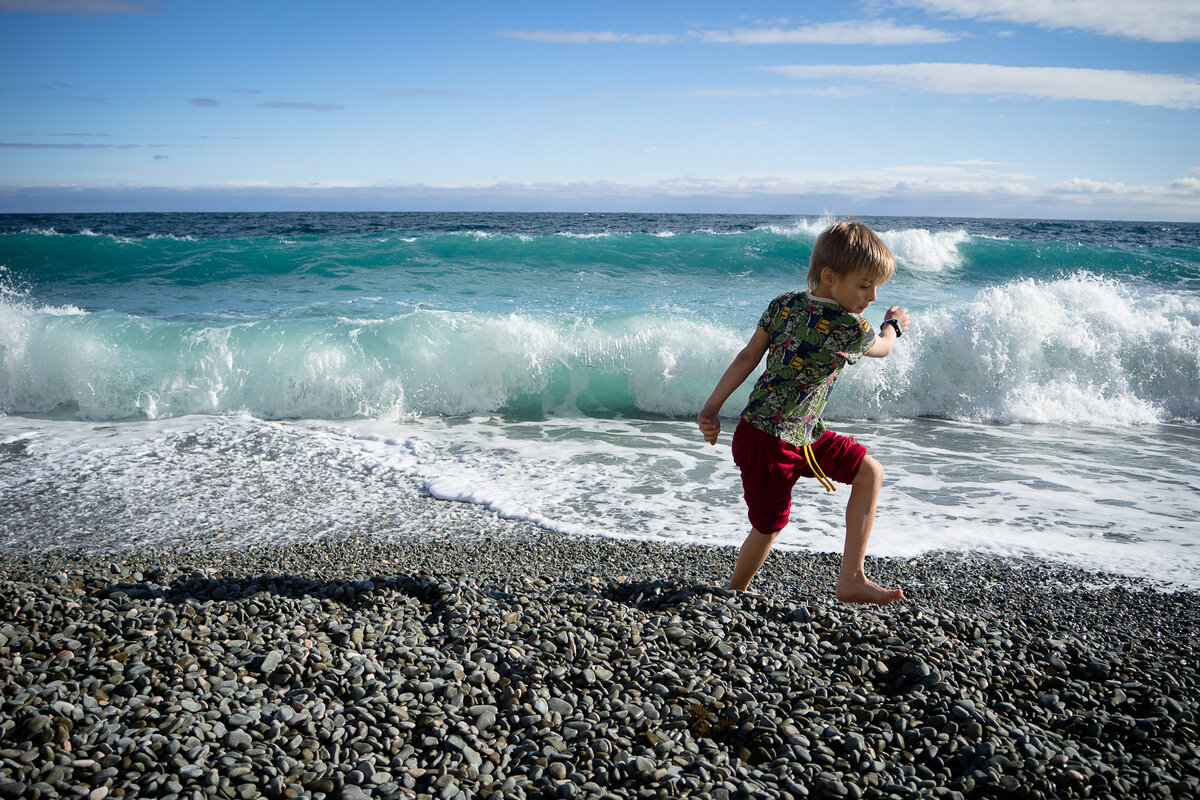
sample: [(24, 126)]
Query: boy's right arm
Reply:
[(887, 338), (744, 363)]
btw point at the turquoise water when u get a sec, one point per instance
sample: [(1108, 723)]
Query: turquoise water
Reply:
[(548, 366)]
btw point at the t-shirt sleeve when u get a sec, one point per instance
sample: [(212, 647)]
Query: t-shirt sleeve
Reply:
[(859, 337), (770, 314)]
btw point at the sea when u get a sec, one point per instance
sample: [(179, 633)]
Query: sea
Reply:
[(235, 380)]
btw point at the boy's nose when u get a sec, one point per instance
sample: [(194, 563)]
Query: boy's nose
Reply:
[(872, 294)]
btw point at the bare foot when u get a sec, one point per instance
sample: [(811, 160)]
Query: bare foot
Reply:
[(866, 591)]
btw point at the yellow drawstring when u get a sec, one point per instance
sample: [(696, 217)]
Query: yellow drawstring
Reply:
[(816, 468)]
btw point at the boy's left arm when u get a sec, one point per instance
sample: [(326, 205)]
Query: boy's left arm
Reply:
[(885, 340), (743, 364)]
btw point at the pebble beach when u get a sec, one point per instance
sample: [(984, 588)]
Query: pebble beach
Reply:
[(494, 659)]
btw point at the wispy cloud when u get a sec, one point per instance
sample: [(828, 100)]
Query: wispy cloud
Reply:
[(592, 37), (742, 93), (869, 32), (1149, 20), (204, 102), (976, 162), (881, 32), (427, 93), (1057, 83), (87, 135), (303, 106), (78, 8), (79, 145)]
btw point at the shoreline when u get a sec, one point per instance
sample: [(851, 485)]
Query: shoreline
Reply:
[(523, 663)]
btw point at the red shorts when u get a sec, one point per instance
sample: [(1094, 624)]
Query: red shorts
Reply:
[(770, 468)]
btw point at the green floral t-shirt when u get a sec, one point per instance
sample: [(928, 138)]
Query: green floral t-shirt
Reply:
[(811, 340)]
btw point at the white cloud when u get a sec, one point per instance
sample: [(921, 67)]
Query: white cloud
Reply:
[(1085, 193), (905, 190), (1057, 83), (304, 106), (405, 93), (1150, 20), (883, 32), (770, 91), (592, 37)]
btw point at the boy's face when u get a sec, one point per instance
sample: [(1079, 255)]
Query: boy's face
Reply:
[(852, 291)]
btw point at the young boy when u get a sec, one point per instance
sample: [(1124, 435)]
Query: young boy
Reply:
[(808, 338)]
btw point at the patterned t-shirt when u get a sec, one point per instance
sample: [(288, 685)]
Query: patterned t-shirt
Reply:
[(810, 341)]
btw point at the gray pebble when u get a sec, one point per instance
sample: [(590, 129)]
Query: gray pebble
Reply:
[(538, 665)]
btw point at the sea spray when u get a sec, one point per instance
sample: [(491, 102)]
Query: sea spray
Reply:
[(1081, 351)]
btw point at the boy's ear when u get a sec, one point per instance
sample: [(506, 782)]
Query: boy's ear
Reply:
[(828, 276)]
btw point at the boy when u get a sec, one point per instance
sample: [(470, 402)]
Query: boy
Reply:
[(808, 338)]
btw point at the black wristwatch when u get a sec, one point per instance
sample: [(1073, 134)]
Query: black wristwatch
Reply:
[(895, 325)]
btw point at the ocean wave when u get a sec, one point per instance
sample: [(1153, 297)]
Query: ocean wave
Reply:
[(803, 227), (171, 237), (926, 251), (918, 249), (1080, 350)]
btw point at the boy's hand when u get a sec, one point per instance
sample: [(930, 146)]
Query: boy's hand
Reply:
[(710, 424), (899, 314)]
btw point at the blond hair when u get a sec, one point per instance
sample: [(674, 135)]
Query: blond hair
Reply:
[(850, 247)]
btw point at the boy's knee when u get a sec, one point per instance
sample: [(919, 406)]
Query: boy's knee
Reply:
[(869, 472)]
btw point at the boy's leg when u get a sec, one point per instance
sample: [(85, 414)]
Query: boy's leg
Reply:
[(751, 557), (853, 584), (769, 469)]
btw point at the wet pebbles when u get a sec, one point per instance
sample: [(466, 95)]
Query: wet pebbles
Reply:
[(532, 665)]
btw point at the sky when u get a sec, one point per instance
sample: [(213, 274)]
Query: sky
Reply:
[(1082, 109)]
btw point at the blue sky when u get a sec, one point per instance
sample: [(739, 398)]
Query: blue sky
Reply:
[(1057, 108)]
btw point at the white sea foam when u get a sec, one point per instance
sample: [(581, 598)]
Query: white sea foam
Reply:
[(110, 236), (1081, 350), (188, 482), (487, 235), (915, 248), (170, 237), (236, 481), (804, 227), (1014, 491), (926, 251)]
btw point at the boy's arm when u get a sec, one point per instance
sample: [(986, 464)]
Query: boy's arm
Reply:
[(743, 364), (885, 340)]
